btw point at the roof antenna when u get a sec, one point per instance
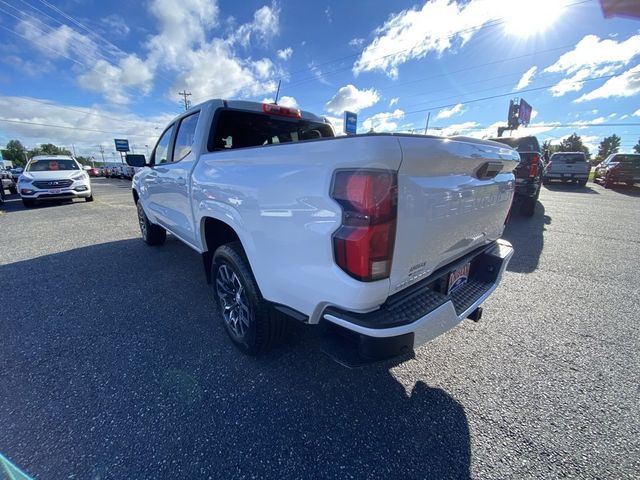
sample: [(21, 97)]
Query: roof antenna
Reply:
[(277, 93)]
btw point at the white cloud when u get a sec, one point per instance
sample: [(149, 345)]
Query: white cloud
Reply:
[(625, 116), (61, 42), (315, 70), (285, 101), (329, 14), (437, 26), (450, 112), (111, 80), (459, 128), (115, 24), (636, 113), (592, 57), (534, 114), (625, 85), (285, 53), (140, 131), (383, 121), (393, 101), (351, 99), (356, 42), (265, 25), (525, 80)]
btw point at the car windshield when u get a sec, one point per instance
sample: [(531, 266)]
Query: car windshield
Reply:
[(632, 159), (52, 165), (568, 157)]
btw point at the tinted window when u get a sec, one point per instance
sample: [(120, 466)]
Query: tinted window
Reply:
[(568, 157), (161, 152), (524, 144), (237, 129), (52, 164), (635, 159), (185, 137)]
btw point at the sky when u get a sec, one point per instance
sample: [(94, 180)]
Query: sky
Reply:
[(83, 72)]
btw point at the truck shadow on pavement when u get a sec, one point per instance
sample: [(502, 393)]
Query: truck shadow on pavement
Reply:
[(119, 368), (526, 234)]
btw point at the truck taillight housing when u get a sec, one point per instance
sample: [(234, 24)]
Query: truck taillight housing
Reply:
[(533, 168), (363, 245)]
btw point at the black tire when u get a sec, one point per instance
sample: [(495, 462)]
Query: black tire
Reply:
[(151, 234), (528, 207), (29, 202), (1, 194), (252, 324), (89, 199), (608, 183), (582, 183), (13, 190)]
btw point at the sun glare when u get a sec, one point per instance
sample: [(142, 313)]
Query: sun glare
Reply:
[(525, 18)]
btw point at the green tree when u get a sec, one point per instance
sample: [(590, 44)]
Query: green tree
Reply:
[(636, 147), (548, 147), (573, 143), (14, 152), (48, 149), (608, 146)]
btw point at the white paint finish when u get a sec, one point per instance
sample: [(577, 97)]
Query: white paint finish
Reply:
[(438, 321), (276, 198), (443, 211)]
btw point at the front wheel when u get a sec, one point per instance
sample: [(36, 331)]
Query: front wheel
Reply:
[(582, 183), (151, 234), (608, 183), (29, 202), (253, 326), (89, 199)]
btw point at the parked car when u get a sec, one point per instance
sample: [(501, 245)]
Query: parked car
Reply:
[(390, 239), (528, 172), (7, 183), (618, 168), (53, 177), (93, 172), (568, 167), (15, 174)]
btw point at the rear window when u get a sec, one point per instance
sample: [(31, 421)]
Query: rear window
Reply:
[(568, 157), (240, 129), (634, 159), (524, 144), (52, 164)]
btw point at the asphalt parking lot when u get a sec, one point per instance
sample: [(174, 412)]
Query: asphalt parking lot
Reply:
[(113, 365)]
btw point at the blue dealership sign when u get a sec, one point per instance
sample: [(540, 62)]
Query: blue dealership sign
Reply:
[(350, 123), (122, 145)]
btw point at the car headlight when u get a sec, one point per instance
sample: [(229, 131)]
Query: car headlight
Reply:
[(82, 176), (24, 179)]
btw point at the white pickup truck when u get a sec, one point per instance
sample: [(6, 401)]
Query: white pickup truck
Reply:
[(391, 239)]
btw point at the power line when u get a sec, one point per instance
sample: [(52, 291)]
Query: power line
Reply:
[(23, 122)]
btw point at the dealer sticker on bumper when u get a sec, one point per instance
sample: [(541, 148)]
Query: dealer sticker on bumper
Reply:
[(458, 277)]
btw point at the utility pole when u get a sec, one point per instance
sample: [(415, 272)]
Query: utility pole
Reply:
[(102, 153), (73, 147), (185, 94)]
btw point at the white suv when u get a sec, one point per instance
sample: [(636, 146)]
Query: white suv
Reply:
[(53, 177)]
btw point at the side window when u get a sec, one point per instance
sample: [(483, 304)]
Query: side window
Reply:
[(185, 136), (161, 152)]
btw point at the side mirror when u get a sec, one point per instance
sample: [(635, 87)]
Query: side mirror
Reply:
[(136, 160)]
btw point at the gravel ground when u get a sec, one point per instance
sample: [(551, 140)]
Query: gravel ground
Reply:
[(113, 365)]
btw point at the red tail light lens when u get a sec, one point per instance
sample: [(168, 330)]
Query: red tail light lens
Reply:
[(533, 169), (272, 109), (363, 245)]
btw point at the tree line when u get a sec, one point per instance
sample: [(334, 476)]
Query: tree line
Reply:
[(18, 154), (573, 143)]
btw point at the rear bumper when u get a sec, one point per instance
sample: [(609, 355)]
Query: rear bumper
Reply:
[(566, 176), (418, 315)]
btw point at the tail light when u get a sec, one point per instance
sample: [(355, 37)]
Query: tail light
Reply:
[(533, 168), (272, 109), (363, 245)]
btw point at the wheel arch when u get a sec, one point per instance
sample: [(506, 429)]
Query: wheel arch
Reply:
[(215, 233)]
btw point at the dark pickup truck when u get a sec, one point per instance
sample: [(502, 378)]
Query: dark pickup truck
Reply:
[(528, 172), (618, 168)]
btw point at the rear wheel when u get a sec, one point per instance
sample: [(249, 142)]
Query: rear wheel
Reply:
[(608, 183), (253, 326), (151, 234)]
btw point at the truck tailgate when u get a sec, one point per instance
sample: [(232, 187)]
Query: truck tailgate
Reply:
[(446, 205)]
